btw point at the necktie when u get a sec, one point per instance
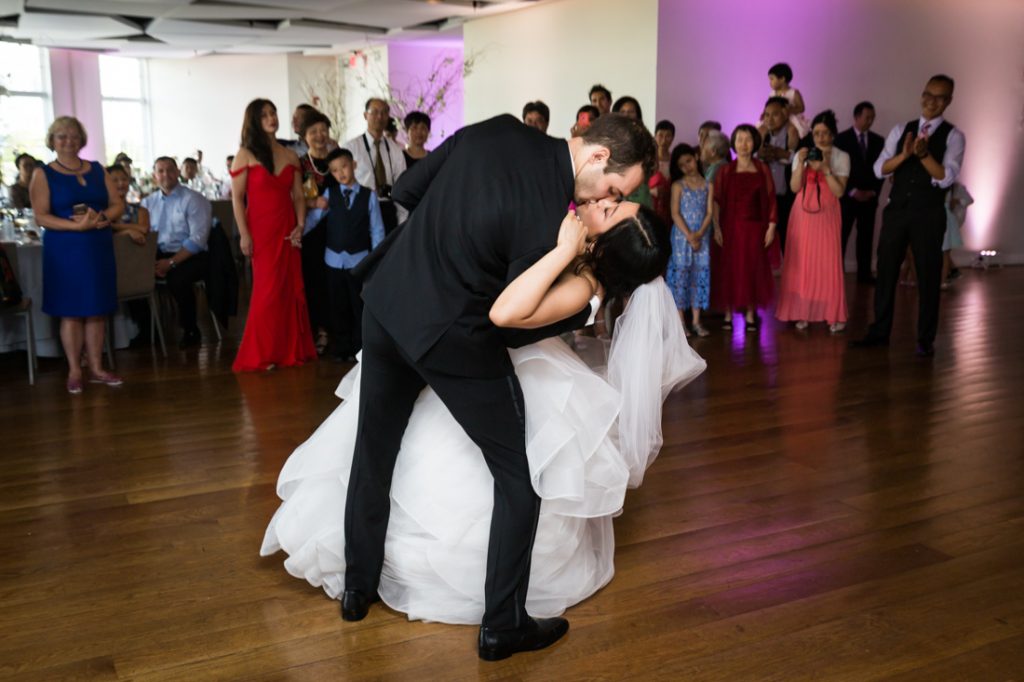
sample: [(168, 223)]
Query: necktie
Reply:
[(925, 129), (345, 195), (863, 139), (379, 177)]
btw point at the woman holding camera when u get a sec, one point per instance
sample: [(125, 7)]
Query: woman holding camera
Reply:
[(75, 200), (812, 287), (270, 211)]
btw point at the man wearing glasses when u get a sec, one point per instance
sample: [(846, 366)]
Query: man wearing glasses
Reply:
[(923, 157)]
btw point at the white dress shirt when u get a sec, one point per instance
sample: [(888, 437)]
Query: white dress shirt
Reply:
[(951, 160), (390, 153)]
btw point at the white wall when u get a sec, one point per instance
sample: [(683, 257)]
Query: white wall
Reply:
[(199, 103), (554, 52), (844, 51), (364, 75)]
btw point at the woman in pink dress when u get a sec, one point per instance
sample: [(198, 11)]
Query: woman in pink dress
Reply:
[(812, 288), (744, 196), (270, 209)]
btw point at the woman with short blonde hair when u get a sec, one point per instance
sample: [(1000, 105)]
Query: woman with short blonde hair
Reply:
[(76, 201)]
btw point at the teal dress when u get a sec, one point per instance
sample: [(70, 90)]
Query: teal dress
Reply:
[(79, 276)]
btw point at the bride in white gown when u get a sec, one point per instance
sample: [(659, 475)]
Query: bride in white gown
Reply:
[(591, 433)]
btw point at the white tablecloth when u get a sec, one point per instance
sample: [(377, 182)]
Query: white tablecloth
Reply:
[(30, 277)]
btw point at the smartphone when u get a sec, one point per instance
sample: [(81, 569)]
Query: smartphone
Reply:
[(79, 209)]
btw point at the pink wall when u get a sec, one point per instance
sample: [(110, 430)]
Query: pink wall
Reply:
[(75, 79), (410, 67), (713, 59)]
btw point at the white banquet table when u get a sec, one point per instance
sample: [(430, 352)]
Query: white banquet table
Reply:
[(47, 329)]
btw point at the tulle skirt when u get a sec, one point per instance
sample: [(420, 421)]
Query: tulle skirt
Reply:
[(441, 496)]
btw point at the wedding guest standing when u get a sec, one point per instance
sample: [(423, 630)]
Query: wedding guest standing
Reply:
[(20, 196), (812, 286), (659, 184), (379, 160), (417, 129), (270, 211), (923, 156), (601, 97), (537, 115), (779, 142), (689, 271), (75, 200), (714, 152), (315, 179), (860, 201), (744, 197)]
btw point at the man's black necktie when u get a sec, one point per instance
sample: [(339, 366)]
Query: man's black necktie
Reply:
[(345, 195)]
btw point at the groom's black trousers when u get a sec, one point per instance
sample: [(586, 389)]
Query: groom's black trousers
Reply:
[(492, 412)]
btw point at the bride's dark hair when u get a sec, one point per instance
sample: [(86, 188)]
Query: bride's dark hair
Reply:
[(633, 252), (254, 138)]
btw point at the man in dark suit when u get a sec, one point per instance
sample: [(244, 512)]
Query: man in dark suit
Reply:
[(485, 206), (860, 203)]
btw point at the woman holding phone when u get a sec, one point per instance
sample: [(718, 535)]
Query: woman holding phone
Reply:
[(76, 201)]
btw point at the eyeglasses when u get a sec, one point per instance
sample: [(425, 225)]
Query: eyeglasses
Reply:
[(932, 96)]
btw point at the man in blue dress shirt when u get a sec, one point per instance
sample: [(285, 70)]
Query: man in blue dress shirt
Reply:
[(181, 217)]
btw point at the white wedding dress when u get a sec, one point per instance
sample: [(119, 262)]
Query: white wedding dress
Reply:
[(590, 435)]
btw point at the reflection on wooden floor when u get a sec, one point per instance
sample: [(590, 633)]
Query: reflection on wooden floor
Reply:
[(817, 513)]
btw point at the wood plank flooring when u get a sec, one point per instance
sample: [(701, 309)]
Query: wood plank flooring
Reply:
[(817, 513)]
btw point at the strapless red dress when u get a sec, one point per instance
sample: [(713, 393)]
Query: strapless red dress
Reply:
[(277, 329)]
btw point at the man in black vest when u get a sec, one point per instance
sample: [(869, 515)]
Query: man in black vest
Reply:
[(860, 203), (485, 206), (924, 158)]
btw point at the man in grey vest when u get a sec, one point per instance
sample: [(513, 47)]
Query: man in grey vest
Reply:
[(923, 157)]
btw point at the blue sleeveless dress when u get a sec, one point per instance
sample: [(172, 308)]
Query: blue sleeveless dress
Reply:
[(79, 276)]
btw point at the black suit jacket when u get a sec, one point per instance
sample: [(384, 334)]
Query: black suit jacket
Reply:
[(485, 206), (862, 174)]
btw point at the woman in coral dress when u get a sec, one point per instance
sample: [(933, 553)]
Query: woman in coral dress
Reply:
[(744, 195), (812, 287), (270, 211)]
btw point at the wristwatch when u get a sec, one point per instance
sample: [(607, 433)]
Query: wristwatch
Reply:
[(171, 263)]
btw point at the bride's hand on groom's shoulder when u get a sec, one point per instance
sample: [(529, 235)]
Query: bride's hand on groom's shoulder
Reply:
[(572, 234)]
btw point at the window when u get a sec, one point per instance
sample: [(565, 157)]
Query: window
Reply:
[(125, 109), (25, 106)]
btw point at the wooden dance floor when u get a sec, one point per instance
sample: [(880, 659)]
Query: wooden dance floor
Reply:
[(817, 513)]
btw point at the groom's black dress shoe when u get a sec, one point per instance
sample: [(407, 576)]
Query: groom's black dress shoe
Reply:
[(536, 634), (355, 604)]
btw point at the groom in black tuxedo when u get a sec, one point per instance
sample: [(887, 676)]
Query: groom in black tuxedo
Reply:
[(485, 206)]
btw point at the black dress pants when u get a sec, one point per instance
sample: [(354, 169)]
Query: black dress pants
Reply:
[(922, 229), (314, 276), (180, 280), (346, 311), (491, 411), (861, 213), (784, 204)]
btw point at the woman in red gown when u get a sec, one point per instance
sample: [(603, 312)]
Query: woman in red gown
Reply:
[(270, 209), (744, 195)]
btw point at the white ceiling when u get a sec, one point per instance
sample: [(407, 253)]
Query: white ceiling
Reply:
[(186, 28)]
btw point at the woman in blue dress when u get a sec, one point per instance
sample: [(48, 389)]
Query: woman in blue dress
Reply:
[(689, 269), (75, 200)]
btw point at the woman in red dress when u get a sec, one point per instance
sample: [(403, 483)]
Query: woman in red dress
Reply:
[(744, 195), (270, 209)]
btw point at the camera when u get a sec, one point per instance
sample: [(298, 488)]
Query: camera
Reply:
[(814, 154)]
